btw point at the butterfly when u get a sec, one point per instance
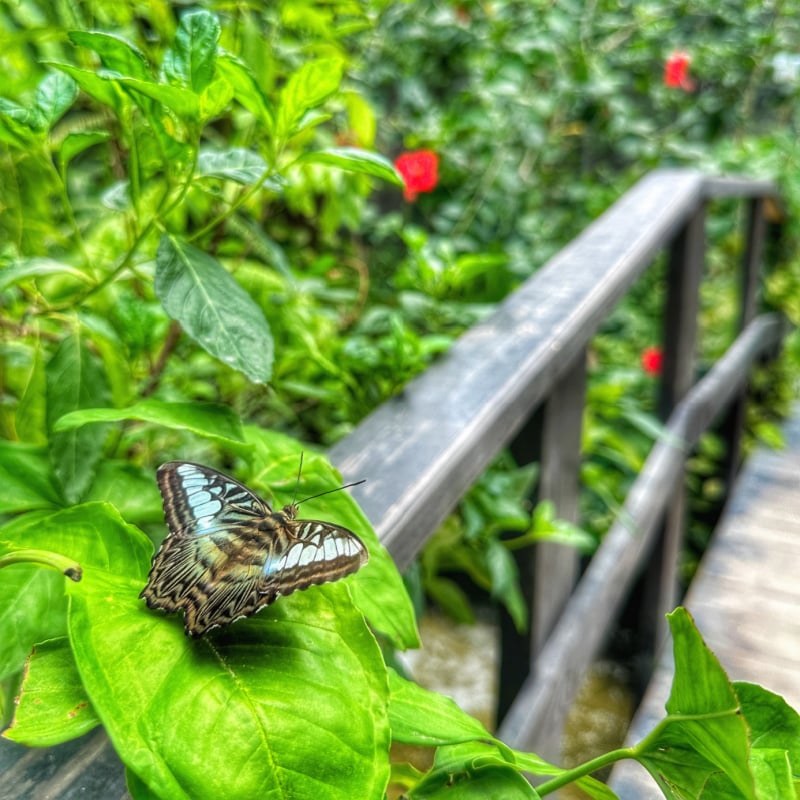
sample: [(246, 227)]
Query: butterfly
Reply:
[(228, 553)]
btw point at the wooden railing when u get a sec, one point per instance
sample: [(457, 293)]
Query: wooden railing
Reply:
[(518, 379)]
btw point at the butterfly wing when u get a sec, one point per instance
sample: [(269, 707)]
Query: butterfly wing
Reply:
[(214, 547), (313, 552)]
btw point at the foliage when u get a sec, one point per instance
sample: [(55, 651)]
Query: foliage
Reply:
[(200, 245)]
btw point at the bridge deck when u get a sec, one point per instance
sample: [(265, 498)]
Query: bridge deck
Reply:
[(745, 597)]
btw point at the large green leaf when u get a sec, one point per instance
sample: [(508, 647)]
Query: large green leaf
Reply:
[(703, 744), (75, 379), (291, 703), (353, 159), (102, 88), (210, 420), (377, 588), (190, 60), (235, 164), (32, 605), (52, 706), (213, 309)]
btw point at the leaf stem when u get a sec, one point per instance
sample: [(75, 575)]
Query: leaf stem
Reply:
[(582, 770), (46, 558)]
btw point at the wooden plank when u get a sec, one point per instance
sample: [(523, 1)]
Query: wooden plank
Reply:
[(745, 596), (421, 450), (87, 767)]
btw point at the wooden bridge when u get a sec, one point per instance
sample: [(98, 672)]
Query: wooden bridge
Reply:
[(518, 379)]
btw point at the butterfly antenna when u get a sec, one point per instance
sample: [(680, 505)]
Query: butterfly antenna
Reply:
[(330, 491), (297, 482)]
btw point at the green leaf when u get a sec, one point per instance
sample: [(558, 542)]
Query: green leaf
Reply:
[(234, 164), (28, 268), (116, 54), (190, 61), (306, 89), (353, 159), (245, 87), (76, 143), (182, 101), (30, 420), (102, 88), (213, 309), (421, 717), (210, 420), (26, 477), (54, 95), (52, 706), (32, 603), (472, 771), (377, 588), (131, 489), (291, 703), (774, 739), (75, 379), (705, 734), (505, 581)]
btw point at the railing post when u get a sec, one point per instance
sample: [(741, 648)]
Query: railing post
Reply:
[(548, 571), (684, 272), (733, 423)]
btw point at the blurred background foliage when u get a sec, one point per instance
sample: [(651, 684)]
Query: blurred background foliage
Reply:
[(541, 114)]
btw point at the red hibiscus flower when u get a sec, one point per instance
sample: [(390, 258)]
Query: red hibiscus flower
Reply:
[(676, 71), (652, 359), (420, 171)]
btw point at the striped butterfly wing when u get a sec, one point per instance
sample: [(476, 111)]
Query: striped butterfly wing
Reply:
[(228, 554)]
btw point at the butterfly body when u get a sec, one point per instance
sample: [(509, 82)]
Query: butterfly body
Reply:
[(228, 553)]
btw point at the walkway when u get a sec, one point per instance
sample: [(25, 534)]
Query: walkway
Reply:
[(745, 597)]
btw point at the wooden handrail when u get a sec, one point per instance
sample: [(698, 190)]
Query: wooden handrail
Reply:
[(423, 449)]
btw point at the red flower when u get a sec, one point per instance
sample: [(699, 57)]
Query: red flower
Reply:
[(420, 171), (652, 359), (676, 71)]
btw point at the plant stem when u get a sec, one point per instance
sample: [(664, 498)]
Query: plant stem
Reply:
[(582, 770), (47, 558)]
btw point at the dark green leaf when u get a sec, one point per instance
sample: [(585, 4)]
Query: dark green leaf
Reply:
[(291, 703), (55, 94), (75, 379), (213, 309), (52, 706), (26, 477), (354, 160), (190, 61), (209, 420)]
